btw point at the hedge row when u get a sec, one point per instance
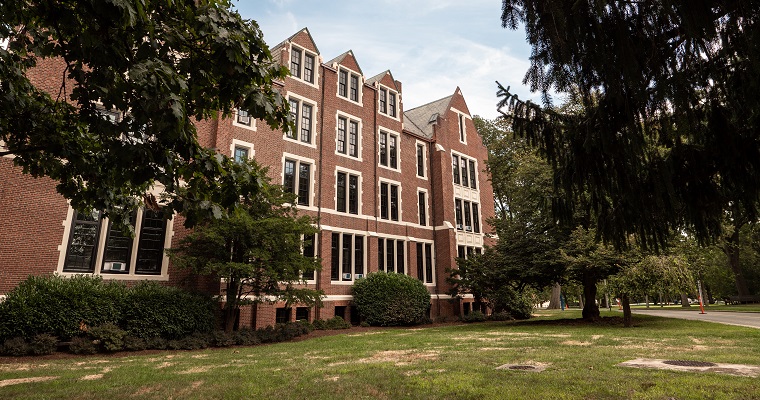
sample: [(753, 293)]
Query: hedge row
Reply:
[(68, 307)]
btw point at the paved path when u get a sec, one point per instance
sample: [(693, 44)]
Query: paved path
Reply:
[(751, 320)]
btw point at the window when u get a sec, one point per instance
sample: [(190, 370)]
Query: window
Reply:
[(302, 313), (342, 83), (465, 179), (351, 137), (422, 204), (389, 145), (301, 114), (461, 128), (295, 62), (354, 87), (243, 118), (473, 177), (347, 197), (282, 315), (309, 250), (425, 262), (389, 201), (241, 154), (475, 218), (467, 217), (460, 252), (455, 166), (308, 68), (392, 104), (117, 252), (347, 252), (391, 255), (421, 160), (458, 209), (304, 180), (383, 101)]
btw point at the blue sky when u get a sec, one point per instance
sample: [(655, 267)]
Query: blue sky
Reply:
[(431, 46)]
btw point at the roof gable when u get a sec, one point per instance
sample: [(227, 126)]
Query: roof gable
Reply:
[(421, 119), (347, 60)]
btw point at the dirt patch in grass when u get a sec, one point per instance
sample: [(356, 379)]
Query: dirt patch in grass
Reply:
[(8, 382), (398, 357), (721, 368)]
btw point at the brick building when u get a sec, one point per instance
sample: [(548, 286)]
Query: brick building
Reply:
[(393, 189)]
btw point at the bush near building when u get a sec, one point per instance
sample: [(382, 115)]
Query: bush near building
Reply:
[(388, 299)]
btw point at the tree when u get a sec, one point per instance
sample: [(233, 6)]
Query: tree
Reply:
[(258, 249), (668, 135), (135, 76)]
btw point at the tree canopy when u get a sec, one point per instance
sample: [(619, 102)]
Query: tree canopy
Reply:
[(668, 136), (136, 76)]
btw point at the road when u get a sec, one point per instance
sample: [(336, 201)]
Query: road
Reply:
[(751, 320)]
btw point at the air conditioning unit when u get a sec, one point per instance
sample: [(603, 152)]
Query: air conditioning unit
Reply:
[(459, 226), (114, 266), (346, 277), (359, 276)]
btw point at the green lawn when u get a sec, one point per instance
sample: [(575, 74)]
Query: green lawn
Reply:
[(444, 362)]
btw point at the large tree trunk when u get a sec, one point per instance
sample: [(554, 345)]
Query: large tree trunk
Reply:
[(731, 249), (627, 317), (554, 301), (685, 300), (590, 309), (230, 307)]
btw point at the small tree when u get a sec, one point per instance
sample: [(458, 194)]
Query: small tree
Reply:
[(257, 249), (391, 299)]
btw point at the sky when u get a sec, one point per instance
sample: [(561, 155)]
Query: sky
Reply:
[(431, 46)]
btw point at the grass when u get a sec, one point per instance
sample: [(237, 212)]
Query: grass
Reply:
[(440, 362)]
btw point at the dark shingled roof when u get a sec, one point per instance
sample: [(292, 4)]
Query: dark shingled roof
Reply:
[(420, 120)]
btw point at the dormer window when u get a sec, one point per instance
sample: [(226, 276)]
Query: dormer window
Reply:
[(387, 102), (302, 64), (348, 85)]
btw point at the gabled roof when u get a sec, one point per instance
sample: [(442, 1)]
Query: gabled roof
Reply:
[(339, 59), (380, 76), (291, 37), (420, 120)]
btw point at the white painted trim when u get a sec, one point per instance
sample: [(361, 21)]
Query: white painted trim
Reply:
[(389, 91), (427, 205), (240, 143), (312, 173), (359, 91), (314, 117), (425, 170), (348, 172), (359, 135), (390, 132), (317, 63), (239, 125), (400, 203)]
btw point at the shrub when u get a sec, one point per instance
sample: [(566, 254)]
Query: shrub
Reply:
[(364, 324), (501, 316), (43, 344), (475, 316), (134, 343), (152, 310), (268, 334), (59, 306), (308, 326), (109, 337), (82, 345), (222, 339), (391, 299), (247, 337), (195, 341), (15, 347), (517, 304), (333, 323), (157, 343)]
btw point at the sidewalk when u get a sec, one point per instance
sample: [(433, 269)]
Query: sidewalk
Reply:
[(750, 320)]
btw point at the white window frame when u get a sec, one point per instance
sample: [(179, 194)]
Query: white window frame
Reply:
[(239, 143), (390, 133), (314, 117), (427, 205), (359, 193), (315, 274), (365, 239), (359, 141), (380, 181), (312, 174), (462, 118), (99, 254), (432, 259), (462, 156), (360, 82), (304, 52), (388, 92), (384, 266), (424, 159), (239, 125)]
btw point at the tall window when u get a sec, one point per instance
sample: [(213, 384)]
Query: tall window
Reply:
[(148, 245), (295, 62), (341, 135), (420, 160), (391, 255), (455, 166), (347, 257), (308, 68), (383, 101), (388, 150), (473, 177), (458, 213), (465, 179), (475, 218), (303, 187), (389, 201), (347, 193), (353, 194), (467, 217), (343, 83), (422, 204), (354, 87), (353, 139), (309, 250), (425, 262), (392, 104), (461, 128), (301, 114)]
